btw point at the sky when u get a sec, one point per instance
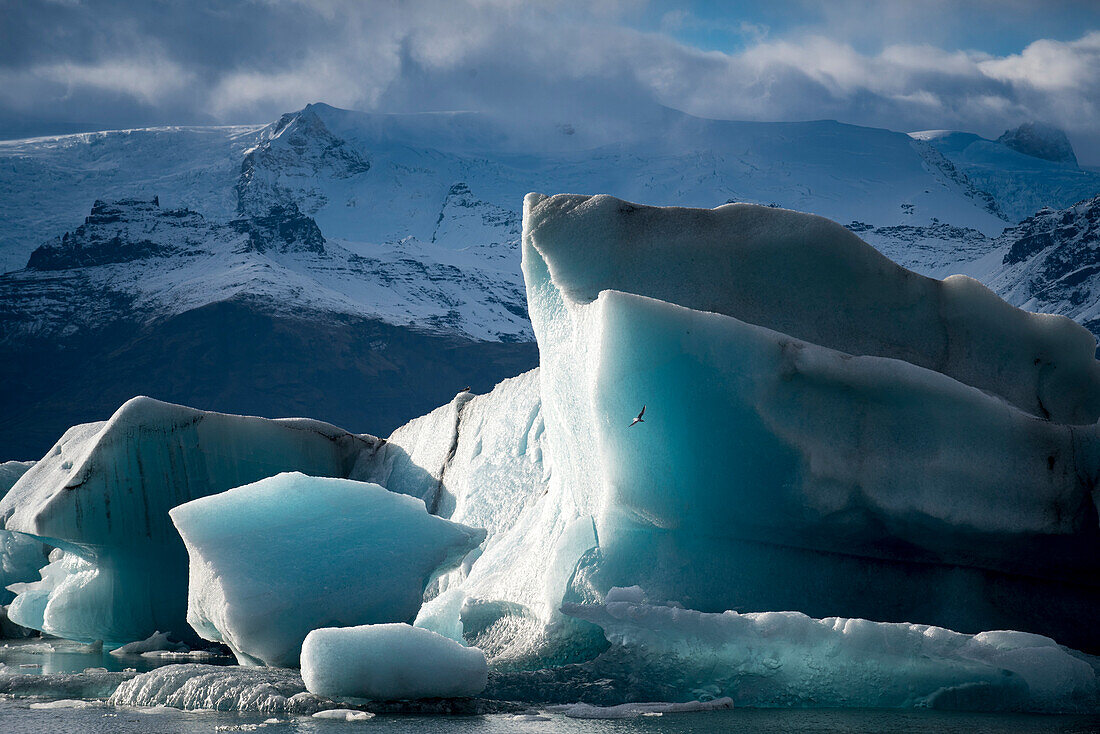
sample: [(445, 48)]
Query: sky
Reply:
[(983, 66)]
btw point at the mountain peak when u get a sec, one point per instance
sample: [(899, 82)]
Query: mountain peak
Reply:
[(116, 232), (1040, 141)]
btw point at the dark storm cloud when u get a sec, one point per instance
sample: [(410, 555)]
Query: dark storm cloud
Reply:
[(116, 64)]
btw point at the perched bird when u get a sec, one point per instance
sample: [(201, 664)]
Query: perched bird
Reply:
[(465, 389), (639, 419)]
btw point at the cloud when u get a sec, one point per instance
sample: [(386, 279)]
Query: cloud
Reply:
[(117, 64)]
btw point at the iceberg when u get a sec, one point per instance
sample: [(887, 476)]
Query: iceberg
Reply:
[(273, 560), (825, 433), (102, 495), (788, 659), (389, 662)]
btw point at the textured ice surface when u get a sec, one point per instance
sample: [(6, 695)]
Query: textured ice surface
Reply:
[(825, 432), (222, 688), (20, 556), (479, 460), (272, 560), (789, 659), (103, 494), (389, 662)]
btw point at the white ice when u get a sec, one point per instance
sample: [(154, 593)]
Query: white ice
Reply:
[(388, 662), (102, 494), (272, 560)]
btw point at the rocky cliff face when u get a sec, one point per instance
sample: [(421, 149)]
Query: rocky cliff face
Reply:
[(1051, 263), (1040, 141)]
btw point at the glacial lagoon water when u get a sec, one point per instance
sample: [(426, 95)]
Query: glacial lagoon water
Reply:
[(18, 716)]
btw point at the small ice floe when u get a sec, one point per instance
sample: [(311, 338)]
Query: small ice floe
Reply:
[(390, 662), (92, 648), (633, 710), (158, 710), (157, 642), (530, 715), (181, 655), (67, 703), (344, 715), (36, 648)]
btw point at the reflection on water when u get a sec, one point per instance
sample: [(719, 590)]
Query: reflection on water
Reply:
[(52, 655), (17, 718)]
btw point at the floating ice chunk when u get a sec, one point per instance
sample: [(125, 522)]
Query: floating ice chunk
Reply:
[(158, 641), (344, 715), (389, 662), (103, 494), (635, 710), (191, 686), (272, 560), (67, 703), (789, 659)]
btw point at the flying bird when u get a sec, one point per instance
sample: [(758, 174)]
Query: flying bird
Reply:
[(639, 419)]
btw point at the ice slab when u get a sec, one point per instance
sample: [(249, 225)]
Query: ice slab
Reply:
[(388, 662), (272, 560), (344, 715), (790, 659), (103, 494)]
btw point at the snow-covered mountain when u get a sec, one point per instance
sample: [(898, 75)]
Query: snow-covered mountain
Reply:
[(1024, 170), (400, 232), (164, 262), (1050, 263)]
